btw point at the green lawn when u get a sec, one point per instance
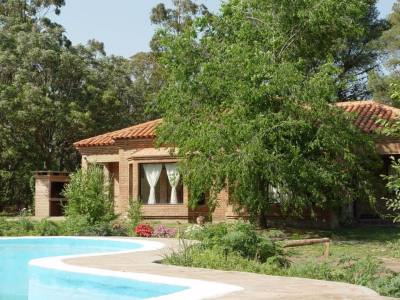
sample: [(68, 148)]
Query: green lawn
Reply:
[(378, 242)]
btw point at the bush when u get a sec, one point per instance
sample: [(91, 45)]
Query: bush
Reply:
[(90, 197), (5, 226), (120, 229), (134, 212), (75, 225), (164, 232), (239, 238), (46, 228), (388, 286), (24, 221), (144, 230), (100, 229), (217, 258), (193, 232), (79, 226), (393, 186)]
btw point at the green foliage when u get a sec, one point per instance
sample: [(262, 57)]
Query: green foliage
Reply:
[(247, 102), (74, 227), (52, 94), (176, 19), (385, 83), (388, 286), (22, 226), (239, 238), (46, 227), (393, 187), (4, 226), (362, 272), (212, 252), (214, 258), (90, 198), (134, 213)]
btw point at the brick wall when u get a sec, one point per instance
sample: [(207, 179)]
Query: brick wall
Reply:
[(43, 192), (42, 197), (124, 158)]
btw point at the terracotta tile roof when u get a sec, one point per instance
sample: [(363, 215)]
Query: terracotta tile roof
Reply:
[(139, 131), (368, 112)]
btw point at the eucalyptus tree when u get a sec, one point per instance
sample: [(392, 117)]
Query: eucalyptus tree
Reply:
[(385, 83)]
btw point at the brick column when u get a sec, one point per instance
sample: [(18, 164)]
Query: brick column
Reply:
[(42, 196), (122, 203)]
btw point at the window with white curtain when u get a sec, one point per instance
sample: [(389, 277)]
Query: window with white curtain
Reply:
[(166, 182)]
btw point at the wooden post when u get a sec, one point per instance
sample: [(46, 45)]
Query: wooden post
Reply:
[(326, 249), (298, 243)]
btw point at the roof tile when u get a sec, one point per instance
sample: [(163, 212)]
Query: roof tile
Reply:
[(139, 131), (367, 113)]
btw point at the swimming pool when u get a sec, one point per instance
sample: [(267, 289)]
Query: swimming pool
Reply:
[(19, 281), (32, 268)]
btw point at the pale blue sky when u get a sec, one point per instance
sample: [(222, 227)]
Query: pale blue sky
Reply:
[(124, 25)]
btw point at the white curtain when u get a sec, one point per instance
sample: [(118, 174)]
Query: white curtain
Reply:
[(173, 177), (152, 172)]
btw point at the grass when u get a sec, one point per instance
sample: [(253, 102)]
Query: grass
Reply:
[(377, 242)]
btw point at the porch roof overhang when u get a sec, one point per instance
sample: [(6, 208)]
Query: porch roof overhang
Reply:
[(154, 154), (139, 131), (388, 146)]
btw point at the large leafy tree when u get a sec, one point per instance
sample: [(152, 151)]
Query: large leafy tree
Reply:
[(247, 101), (53, 93)]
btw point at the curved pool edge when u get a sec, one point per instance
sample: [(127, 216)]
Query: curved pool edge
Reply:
[(197, 289)]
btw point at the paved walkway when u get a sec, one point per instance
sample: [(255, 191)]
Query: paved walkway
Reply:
[(255, 286)]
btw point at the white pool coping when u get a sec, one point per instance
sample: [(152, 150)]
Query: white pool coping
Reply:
[(197, 289)]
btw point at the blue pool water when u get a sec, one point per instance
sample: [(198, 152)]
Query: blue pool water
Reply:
[(18, 281)]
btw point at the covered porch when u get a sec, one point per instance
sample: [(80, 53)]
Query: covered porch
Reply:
[(154, 180)]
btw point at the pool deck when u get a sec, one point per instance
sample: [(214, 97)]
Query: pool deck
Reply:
[(255, 286)]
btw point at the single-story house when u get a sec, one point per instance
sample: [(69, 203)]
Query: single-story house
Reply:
[(141, 171)]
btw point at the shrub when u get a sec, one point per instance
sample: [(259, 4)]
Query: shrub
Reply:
[(164, 232), (24, 221), (144, 230), (4, 226), (216, 258), (134, 212), (240, 238), (388, 286), (46, 228), (120, 229), (100, 229), (90, 196), (393, 186), (193, 232)]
